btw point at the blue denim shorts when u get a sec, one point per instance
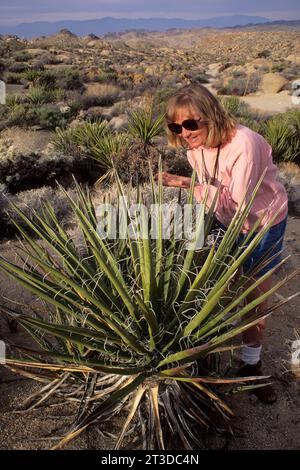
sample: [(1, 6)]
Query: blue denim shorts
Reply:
[(270, 244)]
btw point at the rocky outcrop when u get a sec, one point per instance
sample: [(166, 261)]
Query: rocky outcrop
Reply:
[(272, 83)]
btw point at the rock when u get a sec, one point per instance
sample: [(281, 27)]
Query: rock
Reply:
[(294, 58), (215, 69), (106, 53), (119, 122), (265, 63), (273, 83)]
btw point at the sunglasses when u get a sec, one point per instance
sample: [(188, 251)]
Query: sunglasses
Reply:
[(188, 124)]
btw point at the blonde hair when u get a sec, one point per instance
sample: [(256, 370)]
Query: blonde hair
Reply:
[(197, 98)]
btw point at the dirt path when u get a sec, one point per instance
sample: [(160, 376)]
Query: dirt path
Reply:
[(256, 426)]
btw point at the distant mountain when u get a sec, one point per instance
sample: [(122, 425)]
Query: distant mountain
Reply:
[(102, 26)]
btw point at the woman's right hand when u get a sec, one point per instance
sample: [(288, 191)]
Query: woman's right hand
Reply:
[(175, 181)]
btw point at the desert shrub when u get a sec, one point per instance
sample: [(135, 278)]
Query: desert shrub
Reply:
[(144, 124), (202, 78), (50, 116), (22, 172), (88, 101), (239, 74), (91, 141), (291, 72), (133, 162), (68, 79), (4, 110), (255, 124), (278, 67), (235, 106), (161, 97), (31, 75), (14, 78), (283, 138), (38, 65), (45, 79), (22, 115), (2, 66), (31, 203), (109, 76), (13, 100), (240, 86), (264, 54), (22, 56), (65, 141), (39, 95), (17, 67)]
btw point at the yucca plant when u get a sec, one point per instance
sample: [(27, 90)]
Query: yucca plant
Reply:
[(93, 140), (13, 101), (64, 140), (39, 95), (89, 133), (133, 321), (82, 137), (283, 138), (106, 150), (144, 125)]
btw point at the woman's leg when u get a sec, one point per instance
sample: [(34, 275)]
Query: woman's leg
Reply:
[(254, 335)]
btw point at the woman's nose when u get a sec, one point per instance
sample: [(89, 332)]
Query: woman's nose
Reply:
[(185, 132)]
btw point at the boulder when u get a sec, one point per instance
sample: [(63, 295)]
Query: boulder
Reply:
[(215, 69), (272, 83), (119, 122), (294, 58)]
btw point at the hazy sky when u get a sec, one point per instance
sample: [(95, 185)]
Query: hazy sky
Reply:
[(17, 11)]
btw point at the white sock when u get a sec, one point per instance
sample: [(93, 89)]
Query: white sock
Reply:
[(251, 355)]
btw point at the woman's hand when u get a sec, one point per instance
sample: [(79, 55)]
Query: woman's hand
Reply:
[(174, 181)]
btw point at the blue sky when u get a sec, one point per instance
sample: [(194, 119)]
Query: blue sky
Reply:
[(18, 11)]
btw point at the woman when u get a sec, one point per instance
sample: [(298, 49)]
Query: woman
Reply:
[(233, 158)]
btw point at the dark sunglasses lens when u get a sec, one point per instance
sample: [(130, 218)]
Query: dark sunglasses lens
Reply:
[(190, 125), (176, 128)]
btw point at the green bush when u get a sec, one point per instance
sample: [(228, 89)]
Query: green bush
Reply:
[(235, 106), (49, 117), (22, 115), (241, 86), (284, 138), (18, 68), (108, 75), (13, 79), (39, 95), (68, 79), (30, 202), (202, 78), (22, 56)]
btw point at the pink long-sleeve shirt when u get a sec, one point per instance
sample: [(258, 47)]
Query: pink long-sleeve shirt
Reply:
[(242, 162)]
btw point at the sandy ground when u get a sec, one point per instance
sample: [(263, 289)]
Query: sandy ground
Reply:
[(256, 426), (271, 103)]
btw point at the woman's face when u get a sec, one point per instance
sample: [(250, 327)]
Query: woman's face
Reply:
[(193, 138)]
